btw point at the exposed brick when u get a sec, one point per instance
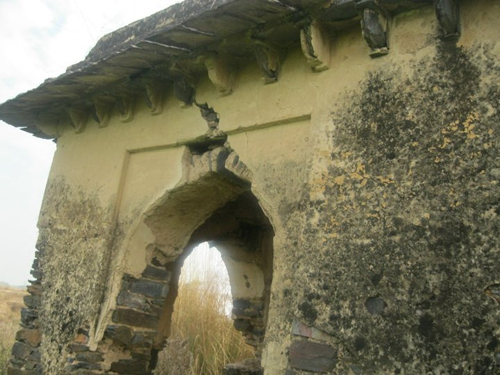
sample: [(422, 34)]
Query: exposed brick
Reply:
[(35, 289), (246, 367), (33, 337), (142, 340), (149, 288), (77, 348), (146, 356), (91, 357), (135, 318), (28, 317), (135, 301), (249, 313), (17, 363), (37, 274), (79, 366), (15, 371), (241, 304), (121, 334), (139, 302), (81, 338), (242, 325), (312, 356), (21, 350), (129, 366), (301, 329), (34, 366), (157, 273), (32, 301), (35, 356)]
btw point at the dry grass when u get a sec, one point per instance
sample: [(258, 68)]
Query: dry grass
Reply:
[(11, 302), (202, 332)]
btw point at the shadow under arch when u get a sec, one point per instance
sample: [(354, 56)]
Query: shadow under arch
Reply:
[(212, 203)]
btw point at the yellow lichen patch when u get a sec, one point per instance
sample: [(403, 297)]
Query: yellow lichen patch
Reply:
[(469, 125), (361, 168), (339, 180), (360, 174), (386, 180), (356, 176), (446, 142), (452, 127)]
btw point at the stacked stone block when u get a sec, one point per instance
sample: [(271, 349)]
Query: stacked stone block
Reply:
[(246, 367), (311, 351), (26, 358), (136, 319), (133, 328), (248, 315)]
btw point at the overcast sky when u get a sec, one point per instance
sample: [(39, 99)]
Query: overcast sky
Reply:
[(38, 40)]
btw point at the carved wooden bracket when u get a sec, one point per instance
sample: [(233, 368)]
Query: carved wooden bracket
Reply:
[(269, 60), (102, 111), (448, 15), (79, 117), (374, 25), (125, 105), (184, 92), (220, 74), (48, 127), (315, 45), (155, 97)]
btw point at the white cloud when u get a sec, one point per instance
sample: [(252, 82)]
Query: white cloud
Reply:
[(38, 40)]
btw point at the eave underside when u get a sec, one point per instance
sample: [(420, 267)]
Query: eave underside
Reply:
[(171, 45)]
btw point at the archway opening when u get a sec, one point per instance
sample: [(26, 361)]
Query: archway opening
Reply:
[(203, 339), (213, 203), (243, 235)]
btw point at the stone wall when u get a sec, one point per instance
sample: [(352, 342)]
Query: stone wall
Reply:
[(397, 256)]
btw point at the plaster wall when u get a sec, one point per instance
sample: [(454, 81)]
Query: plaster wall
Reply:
[(379, 177)]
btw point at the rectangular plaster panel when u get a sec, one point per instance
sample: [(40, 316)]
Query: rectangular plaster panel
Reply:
[(277, 143), (147, 175)]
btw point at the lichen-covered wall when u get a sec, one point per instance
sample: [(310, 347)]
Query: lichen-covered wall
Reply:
[(400, 233), (74, 256)]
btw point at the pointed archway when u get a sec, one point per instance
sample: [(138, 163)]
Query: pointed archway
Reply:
[(213, 202)]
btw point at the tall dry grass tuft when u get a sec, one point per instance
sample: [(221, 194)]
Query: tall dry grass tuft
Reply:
[(201, 325), (11, 302), (7, 334)]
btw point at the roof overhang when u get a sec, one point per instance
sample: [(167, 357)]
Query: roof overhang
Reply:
[(172, 46)]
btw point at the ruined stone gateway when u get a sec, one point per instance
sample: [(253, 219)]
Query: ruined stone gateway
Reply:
[(342, 154)]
